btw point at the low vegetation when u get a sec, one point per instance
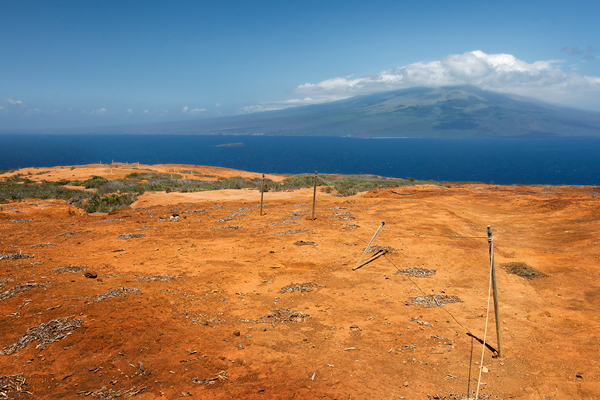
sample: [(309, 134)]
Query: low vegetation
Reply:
[(349, 185), (99, 194)]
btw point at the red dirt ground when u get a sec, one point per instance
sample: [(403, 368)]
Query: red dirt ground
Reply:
[(209, 294)]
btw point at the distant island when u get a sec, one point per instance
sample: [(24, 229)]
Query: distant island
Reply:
[(453, 111), (230, 145)]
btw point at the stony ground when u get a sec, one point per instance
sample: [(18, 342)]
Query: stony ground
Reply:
[(197, 294)]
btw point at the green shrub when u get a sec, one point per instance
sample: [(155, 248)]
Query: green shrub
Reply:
[(300, 181), (38, 190), (108, 203), (61, 182), (15, 178), (95, 182)]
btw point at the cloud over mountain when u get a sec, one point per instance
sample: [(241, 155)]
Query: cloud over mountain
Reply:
[(503, 73)]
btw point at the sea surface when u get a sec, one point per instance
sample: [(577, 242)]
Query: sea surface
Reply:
[(573, 161)]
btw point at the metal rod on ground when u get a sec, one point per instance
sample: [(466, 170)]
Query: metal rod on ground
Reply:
[(370, 243), (262, 190), (495, 290), (314, 197), (372, 258)]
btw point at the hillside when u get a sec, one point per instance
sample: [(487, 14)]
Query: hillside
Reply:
[(419, 112), (197, 294)]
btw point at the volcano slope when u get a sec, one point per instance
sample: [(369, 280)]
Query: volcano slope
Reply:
[(197, 294)]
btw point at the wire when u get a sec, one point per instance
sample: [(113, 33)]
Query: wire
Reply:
[(422, 291), (484, 335), (402, 230)]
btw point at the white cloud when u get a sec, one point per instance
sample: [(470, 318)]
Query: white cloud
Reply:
[(274, 106), (1, 107), (186, 110), (503, 73), (217, 104), (11, 101), (101, 111), (146, 112), (260, 108), (129, 111)]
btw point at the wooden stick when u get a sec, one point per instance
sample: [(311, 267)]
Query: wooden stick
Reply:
[(314, 197), (370, 243), (495, 290), (262, 190)]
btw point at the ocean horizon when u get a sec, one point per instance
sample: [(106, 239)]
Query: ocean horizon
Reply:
[(553, 161)]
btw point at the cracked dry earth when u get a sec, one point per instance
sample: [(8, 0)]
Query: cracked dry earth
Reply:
[(197, 294)]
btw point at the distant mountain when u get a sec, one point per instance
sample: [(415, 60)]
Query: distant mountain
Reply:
[(460, 111)]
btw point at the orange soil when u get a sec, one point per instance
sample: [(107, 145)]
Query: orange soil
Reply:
[(120, 170), (212, 317)]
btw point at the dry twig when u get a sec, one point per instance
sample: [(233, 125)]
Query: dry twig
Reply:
[(222, 375), (13, 383), (46, 333), (8, 293)]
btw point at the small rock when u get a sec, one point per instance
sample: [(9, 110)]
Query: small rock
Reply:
[(355, 328), (304, 243), (236, 333), (91, 275)]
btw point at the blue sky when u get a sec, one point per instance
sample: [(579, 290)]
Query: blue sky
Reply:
[(92, 63)]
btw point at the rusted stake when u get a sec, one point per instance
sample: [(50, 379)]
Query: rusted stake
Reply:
[(262, 190), (370, 243), (314, 197), (495, 290), (372, 258)]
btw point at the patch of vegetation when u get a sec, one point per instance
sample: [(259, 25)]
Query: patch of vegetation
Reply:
[(39, 190), (62, 182), (15, 178), (112, 195), (300, 181), (95, 182), (349, 185), (7, 171), (108, 203), (523, 270)]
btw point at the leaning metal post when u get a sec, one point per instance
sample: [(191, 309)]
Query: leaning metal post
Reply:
[(262, 191), (314, 197), (495, 290), (370, 243)]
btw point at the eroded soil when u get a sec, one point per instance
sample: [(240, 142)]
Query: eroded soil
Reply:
[(199, 295)]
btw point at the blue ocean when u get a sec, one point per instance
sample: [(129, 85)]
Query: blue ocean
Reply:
[(573, 161)]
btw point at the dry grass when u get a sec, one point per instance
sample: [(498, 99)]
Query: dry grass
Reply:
[(523, 270)]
